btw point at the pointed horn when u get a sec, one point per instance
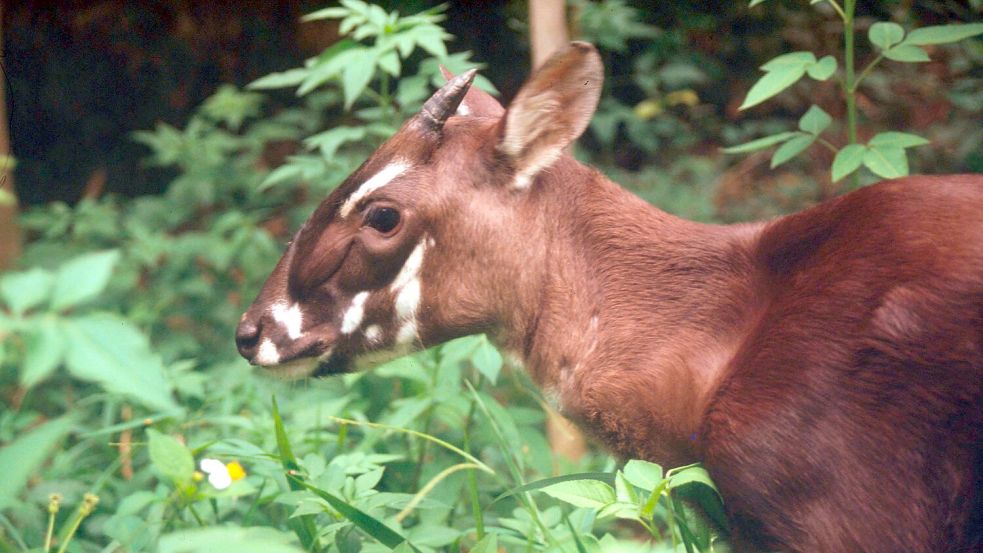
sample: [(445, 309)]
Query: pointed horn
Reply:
[(444, 102)]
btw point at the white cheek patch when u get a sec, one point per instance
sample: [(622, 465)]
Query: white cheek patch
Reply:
[(267, 354), (407, 333), (377, 181), (291, 318), (406, 286), (353, 316), (408, 300)]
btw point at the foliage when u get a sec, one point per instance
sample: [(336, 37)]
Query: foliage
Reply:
[(885, 153), (133, 424)]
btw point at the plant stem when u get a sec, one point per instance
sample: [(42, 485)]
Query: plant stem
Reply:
[(856, 82), (849, 88), (51, 532), (479, 519), (837, 8)]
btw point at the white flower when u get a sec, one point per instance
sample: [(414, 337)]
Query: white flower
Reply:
[(218, 473)]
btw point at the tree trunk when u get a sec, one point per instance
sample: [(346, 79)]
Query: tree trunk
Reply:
[(10, 236), (547, 34)]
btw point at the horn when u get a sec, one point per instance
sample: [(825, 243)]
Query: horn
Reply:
[(444, 102)]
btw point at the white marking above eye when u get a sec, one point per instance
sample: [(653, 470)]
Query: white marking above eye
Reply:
[(377, 181), (268, 354), (353, 315), (292, 318)]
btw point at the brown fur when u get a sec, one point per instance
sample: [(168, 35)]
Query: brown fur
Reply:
[(826, 367)]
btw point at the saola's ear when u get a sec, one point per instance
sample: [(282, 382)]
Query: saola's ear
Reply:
[(477, 102), (551, 110)]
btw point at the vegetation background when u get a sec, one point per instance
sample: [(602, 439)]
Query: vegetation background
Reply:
[(161, 154)]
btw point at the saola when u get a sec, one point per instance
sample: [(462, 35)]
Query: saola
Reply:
[(826, 367)]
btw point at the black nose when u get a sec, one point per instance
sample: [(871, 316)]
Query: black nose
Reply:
[(247, 338)]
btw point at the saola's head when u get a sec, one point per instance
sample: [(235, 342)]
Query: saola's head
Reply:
[(427, 240)]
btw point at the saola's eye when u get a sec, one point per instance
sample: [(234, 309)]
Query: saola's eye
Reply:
[(382, 219)]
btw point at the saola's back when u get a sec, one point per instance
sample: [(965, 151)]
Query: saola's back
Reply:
[(862, 381)]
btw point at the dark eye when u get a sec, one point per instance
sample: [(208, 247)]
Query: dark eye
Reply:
[(382, 219)]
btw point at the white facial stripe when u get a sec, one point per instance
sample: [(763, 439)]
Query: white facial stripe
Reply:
[(411, 269), (408, 300), (407, 332), (291, 318), (377, 181), (353, 316), (373, 333), (267, 354)]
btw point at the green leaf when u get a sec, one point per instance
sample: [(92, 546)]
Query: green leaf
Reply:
[(582, 493), (822, 69), (26, 453), (815, 120), (643, 474), (330, 63), (487, 360), (884, 34), (847, 160), (24, 290), (760, 143), (82, 278), (170, 457), (791, 59), (907, 53), (330, 140), (291, 77), (107, 349), (356, 77), (365, 522), (45, 349), (772, 83), (389, 62), (605, 477), (941, 34), (897, 139), (791, 149), (303, 526), (889, 162), (488, 544), (694, 482), (325, 13)]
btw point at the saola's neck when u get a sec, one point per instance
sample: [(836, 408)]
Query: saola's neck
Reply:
[(639, 314)]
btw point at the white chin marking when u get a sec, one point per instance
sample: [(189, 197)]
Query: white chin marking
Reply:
[(373, 333), (267, 354), (377, 181), (408, 299), (298, 368), (291, 318), (353, 316)]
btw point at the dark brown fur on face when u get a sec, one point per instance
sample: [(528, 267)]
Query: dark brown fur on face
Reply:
[(826, 367)]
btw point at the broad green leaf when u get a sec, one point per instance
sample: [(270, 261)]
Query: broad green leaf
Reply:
[(888, 162), (24, 290), (253, 539), (582, 493), (389, 62), (170, 457), (898, 139), (815, 120), (907, 53), (291, 77), (760, 143), (45, 349), (82, 278), (604, 477), (772, 83), (330, 140), (791, 149), (791, 59), (822, 69), (885, 34), (24, 456), (644, 474), (330, 63), (847, 160), (625, 492), (356, 77), (941, 34), (694, 482), (109, 350), (487, 360)]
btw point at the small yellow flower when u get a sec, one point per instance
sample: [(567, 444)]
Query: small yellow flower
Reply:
[(221, 475), (687, 97)]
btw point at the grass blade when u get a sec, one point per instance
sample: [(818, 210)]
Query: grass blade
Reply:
[(303, 526), (606, 477)]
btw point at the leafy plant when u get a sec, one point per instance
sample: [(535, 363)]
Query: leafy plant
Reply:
[(884, 154)]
